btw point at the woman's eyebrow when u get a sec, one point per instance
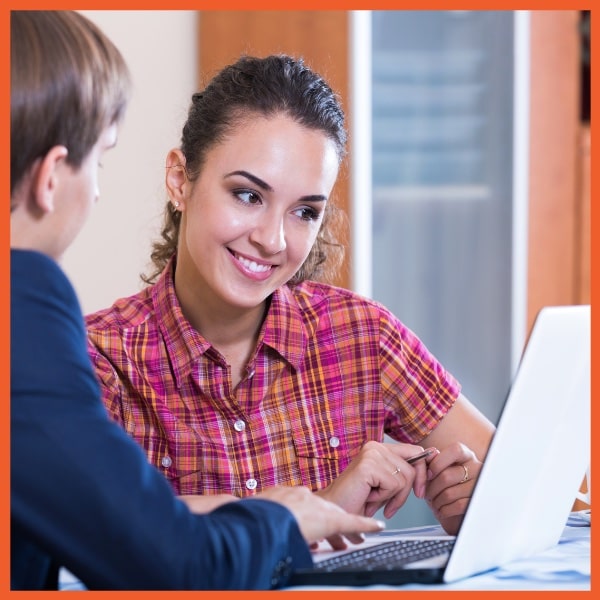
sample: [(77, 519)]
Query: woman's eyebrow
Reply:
[(314, 198), (253, 178), (266, 187)]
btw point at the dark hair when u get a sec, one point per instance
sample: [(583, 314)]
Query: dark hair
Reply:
[(68, 82), (266, 86)]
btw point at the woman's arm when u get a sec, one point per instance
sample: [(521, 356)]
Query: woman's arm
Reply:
[(463, 437)]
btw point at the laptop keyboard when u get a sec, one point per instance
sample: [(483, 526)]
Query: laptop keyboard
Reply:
[(386, 556)]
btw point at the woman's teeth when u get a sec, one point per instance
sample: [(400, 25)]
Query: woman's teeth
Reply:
[(253, 266)]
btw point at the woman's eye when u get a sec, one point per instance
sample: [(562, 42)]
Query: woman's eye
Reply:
[(247, 196), (306, 213)]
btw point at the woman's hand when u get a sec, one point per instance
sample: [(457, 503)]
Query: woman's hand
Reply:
[(377, 477), (451, 477), (464, 435)]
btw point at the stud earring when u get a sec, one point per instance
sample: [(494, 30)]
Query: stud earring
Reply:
[(176, 203)]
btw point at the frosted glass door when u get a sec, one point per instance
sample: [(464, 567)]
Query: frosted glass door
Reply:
[(442, 181)]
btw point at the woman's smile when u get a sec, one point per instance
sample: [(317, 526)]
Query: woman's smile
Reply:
[(251, 267)]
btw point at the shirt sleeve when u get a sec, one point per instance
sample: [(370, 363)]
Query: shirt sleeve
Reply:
[(417, 389), (82, 491)]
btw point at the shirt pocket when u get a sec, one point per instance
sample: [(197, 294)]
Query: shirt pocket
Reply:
[(325, 446), (178, 454)]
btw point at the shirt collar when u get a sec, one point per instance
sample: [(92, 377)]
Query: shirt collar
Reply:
[(184, 344), (284, 329)]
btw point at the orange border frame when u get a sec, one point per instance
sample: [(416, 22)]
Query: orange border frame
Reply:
[(5, 236)]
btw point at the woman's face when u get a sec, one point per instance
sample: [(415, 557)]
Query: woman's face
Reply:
[(252, 216)]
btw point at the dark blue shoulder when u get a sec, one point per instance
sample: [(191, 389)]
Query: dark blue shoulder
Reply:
[(35, 277)]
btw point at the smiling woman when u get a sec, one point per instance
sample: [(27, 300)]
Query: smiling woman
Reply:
[(246, 231), (281, 87), (240, 366)]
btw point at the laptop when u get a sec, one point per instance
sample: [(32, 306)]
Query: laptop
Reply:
[(527, 485)]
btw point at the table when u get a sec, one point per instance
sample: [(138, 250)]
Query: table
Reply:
[(566, 566)]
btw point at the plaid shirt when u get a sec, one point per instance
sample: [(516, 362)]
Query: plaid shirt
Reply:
[(331, 370)]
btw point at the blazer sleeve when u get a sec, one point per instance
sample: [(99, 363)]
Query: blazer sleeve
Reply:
[(82, 490)]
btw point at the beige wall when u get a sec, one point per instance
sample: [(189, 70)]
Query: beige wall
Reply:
[(160, 47)]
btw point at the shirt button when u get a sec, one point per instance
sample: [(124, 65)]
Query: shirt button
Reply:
[(251, 484), (166, 461), (239, 425), (334, 442), (251, 374)]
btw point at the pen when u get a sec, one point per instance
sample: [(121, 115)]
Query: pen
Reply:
[(419, 456)]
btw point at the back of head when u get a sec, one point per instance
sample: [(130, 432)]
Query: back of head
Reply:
[(68, 83)]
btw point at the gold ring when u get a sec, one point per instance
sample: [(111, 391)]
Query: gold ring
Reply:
[(396, 471), (466, 477)]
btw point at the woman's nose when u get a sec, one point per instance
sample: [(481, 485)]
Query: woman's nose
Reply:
[(269, 233)]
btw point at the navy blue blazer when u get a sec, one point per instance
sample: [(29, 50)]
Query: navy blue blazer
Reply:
[(83, 495)]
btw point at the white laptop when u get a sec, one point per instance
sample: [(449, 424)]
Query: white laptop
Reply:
[(527, 486)]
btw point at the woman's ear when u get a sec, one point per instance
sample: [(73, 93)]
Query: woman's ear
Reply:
[(46, 178), (176, 179)]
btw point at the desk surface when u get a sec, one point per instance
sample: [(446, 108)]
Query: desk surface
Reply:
[(566, 566)]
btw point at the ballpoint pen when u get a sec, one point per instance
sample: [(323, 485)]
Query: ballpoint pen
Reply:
[(421, 455)]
